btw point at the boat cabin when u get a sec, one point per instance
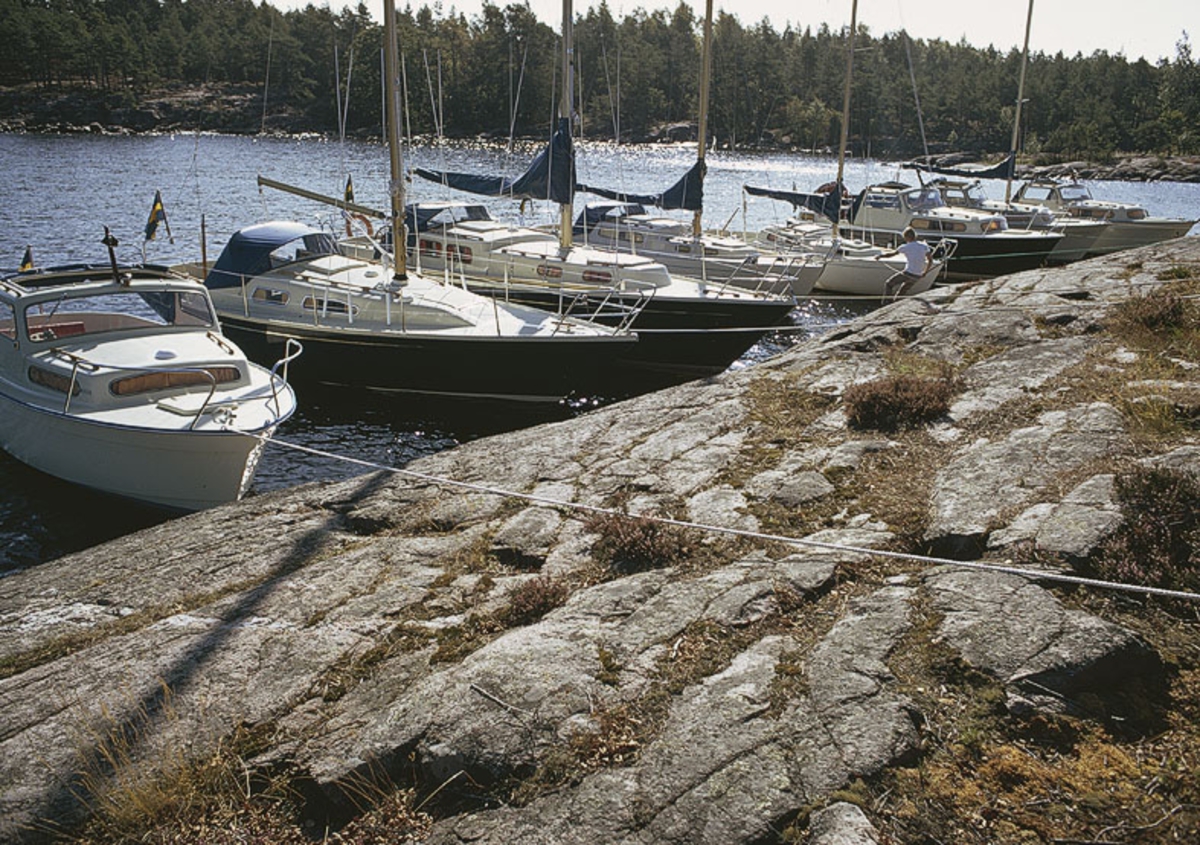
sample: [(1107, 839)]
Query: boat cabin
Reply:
[(1075, 199)]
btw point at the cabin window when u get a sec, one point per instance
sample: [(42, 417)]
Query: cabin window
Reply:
[(683, 248), (53, 380), (8, 323), (996, 225), (168, 379), (1075, 193), (1036, 194), (271, 296), (954, 226), (885, 201), (71, 316), (922, 223), (1137, 214), (431, 248), (463, 252), (548, 272), (328, 306), (710, 251), (597, 276)]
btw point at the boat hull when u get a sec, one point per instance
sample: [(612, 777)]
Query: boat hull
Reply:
[(179, 470), (509, 368), (679, 339), (1120, 235), (986, 256)]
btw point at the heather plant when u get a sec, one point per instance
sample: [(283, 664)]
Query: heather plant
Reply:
[(532, 599), (1158, 543), (636, 543), (899, 401)]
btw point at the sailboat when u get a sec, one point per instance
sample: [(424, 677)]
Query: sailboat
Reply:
[(623, 223), (687, 328), (379, 326)]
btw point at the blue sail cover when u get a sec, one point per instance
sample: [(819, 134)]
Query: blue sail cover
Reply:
[(826, 204), (248, 252), (1005, 169), (551, 176), (687, 193)]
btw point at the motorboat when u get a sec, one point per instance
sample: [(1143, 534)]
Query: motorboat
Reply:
[(364, 327), (120, 379), (1126, 225), (986, 245), (1079, 235)]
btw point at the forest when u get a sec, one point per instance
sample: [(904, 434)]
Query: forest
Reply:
[(498, 74)]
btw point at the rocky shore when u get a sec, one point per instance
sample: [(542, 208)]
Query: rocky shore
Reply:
[(444, 663)]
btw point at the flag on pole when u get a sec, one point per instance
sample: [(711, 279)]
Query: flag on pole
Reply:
[(349, 197), (27, 260), (158, 214)]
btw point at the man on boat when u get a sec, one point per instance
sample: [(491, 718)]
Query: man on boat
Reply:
[(918, 258)]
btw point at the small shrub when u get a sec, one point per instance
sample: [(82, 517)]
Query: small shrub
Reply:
[(1156, 311), (1158, 543), (531, 600), (899, 401), (635, 543)]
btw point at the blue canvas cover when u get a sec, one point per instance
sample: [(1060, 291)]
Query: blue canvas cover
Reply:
[(1005, 169), (826, 204), (687, 193), (551, 175), (248, 252)]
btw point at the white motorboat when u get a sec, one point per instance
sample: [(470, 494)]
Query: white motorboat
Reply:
[(1126, 225), (1079, 235), (120, 380)]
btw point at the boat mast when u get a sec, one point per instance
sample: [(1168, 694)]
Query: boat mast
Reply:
[(396, 187), (846, 96), (1012, 164), (564, 110), (705, 73)]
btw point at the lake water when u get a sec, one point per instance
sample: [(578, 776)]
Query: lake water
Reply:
[(58, 192)]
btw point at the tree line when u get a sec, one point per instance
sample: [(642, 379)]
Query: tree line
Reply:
[(499, 73)]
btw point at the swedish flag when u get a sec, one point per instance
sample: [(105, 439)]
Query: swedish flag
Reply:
[(27, 260), (349, 196), (158, 214)]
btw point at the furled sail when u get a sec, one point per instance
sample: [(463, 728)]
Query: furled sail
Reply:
[(1005, 169), (687, 193), (551, 175), (827, 204)]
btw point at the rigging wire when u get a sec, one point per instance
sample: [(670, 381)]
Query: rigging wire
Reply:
[(546, 501)]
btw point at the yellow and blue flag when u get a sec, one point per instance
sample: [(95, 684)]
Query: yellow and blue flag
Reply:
[(27, 260), (349, 195), (158, 214)]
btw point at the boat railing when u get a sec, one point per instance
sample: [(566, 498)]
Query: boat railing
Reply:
[(79, 362), (291, 351)]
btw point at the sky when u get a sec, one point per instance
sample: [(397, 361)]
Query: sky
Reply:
[(1137, 28)]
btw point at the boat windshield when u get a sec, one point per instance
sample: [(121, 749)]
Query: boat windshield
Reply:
[(1075, 192), (922, 199), (73, 316)]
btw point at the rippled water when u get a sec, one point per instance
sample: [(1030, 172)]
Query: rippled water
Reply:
[(58, 192)]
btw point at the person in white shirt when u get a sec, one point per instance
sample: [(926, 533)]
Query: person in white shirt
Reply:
[(918, 258)]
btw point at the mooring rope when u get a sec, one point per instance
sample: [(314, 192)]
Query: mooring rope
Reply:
[(546, 501)]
